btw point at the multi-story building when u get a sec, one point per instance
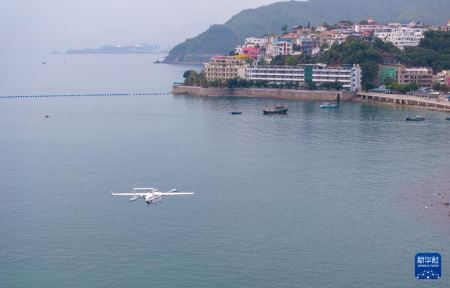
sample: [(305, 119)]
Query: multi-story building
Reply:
[(387, 73), (261, 42), (349, 76), (308, 44), (280, 46), (401, 36), (443, 77), (222, 67), (421, 76), (440, 27), (337, 36), (252, 52), (369, 28)]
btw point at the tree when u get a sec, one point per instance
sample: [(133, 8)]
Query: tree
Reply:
[(388, 81), (187, 73), (290, 60), (193, 78), (345, 23), (309, 85), (440, 87), (436, 86), (331, 86), (261, 61), (284, 29), (363, 22), (433, 51), (249, 60), (402, 88), (232, 83)]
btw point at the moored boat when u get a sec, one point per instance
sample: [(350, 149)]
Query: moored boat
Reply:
[(415, 118), (281, 109), (236, 113), (328, 105)]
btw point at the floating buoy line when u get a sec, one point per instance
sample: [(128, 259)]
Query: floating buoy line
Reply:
[(85, 95)]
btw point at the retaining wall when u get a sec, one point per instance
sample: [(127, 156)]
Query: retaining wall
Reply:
[(264, 93)]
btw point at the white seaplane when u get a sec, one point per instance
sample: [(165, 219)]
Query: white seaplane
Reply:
[(150, 195)]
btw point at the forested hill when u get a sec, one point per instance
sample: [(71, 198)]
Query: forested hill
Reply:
[(220, 39)]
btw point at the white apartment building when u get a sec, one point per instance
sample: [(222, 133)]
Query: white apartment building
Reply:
[(443, 77), (349, 76), (261, 42), (401, 36), (277, 47)]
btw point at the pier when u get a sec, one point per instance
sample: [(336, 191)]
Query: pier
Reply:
[(407, 100), (85, 95)]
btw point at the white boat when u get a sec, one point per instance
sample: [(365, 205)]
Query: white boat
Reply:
[(328, 105)]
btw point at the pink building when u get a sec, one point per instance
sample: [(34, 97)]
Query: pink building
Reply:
[(251, 52)]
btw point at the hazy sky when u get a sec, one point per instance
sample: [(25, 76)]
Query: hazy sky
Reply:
[(64, 24)]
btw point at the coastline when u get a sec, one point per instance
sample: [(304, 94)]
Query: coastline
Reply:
[(181, 62), (264, 93), (400, 100), (292, 94), (393, 105)]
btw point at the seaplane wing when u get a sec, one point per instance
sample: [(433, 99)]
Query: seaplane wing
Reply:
[(129, 194), (173, 193), (150, 195), (140, 194)]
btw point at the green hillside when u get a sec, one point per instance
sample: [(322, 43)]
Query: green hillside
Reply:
[(220, 39)]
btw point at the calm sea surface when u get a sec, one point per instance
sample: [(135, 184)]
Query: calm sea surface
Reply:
[(316, 198)]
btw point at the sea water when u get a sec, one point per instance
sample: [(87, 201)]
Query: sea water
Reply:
[(315, 198)]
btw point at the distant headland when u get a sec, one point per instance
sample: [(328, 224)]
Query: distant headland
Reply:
[(120, 49)]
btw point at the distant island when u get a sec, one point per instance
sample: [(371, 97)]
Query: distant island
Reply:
[(120, 49)]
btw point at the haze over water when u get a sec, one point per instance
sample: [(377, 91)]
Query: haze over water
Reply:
[(316, 198)]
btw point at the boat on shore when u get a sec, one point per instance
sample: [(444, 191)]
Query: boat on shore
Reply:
[(280, 109), (415, 118), (328, 105)]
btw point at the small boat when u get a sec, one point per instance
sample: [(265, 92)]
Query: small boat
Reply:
[(236, 113), (47, 116), (328, 105), (415, 118), (276, 110), (448, 118)]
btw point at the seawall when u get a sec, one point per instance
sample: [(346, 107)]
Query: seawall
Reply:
[(264, 93), (404, 100)]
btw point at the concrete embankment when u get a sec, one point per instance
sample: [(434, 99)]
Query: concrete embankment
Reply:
[(404, 100), (264, 93)]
